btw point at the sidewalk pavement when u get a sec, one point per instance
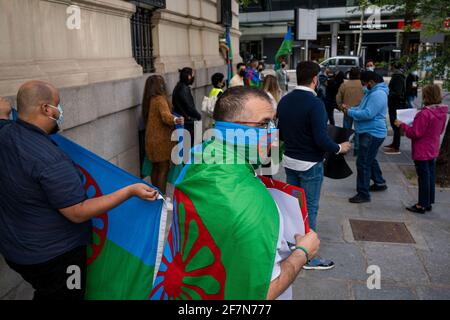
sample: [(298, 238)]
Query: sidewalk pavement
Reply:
[(408, 271)]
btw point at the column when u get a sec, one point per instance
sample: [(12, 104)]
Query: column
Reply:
[(334, 38)]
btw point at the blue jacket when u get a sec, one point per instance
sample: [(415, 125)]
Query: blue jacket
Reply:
[(370, 115)]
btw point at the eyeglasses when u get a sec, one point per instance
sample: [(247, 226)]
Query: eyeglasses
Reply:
[(262, 125)]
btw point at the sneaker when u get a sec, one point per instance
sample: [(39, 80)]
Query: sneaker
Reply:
[(389, 146), (319, 264), (358, 199), (376, 188), (415, 208), (392, 151)]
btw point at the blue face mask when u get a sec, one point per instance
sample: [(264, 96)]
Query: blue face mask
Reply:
[(253, 137), (60, 119), (366, 90)]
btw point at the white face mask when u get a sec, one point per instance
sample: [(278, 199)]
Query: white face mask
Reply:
[(60, 119), (371, 69)]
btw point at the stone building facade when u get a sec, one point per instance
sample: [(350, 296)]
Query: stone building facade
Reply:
[(94, 67)]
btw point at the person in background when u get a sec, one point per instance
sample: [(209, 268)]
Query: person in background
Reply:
[(271, 87), (238, 79), (350, 93), (218, 83), (370, 125), (252, 78), (411, 88), (302, 123), (5, 109), (261, 68), (370, 66), (45, 215), (209, 103), (333, 84), (183, 101), (246, 222), (157, 113), (425, 132), (396, 100), (321, 89), (283, 78)]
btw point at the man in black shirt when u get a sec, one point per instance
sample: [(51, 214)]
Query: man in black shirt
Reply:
[(183, 101), (44, 212), (396, 100)]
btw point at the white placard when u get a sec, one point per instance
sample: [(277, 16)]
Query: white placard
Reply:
[(406, 115), (305, 24)]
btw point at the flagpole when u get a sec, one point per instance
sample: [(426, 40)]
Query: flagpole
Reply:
[(306, 50)]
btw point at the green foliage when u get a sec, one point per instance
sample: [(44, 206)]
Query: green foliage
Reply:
[(432, 14), (245, 3)]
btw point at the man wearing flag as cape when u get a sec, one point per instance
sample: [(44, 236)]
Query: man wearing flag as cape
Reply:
[(226, 239)]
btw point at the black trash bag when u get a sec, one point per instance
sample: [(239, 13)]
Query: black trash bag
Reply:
[(335, 166)]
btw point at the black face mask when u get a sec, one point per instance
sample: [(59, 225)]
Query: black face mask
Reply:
[(191, 82), (283, 66), (242, 73)]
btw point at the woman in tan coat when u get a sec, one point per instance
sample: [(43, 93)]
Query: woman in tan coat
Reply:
[(157, 112)]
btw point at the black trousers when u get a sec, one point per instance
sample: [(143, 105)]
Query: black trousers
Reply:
[(330, 106), (397, 136), (50, 279)]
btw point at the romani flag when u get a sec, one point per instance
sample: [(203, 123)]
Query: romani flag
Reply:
[(285, 49), (127, 242), (223, 238)]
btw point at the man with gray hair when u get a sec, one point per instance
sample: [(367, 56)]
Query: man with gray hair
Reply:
[(231, 214), (44, 211)]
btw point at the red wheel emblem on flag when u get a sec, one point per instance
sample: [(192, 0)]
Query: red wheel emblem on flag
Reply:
[(100, 223), (191, 267)]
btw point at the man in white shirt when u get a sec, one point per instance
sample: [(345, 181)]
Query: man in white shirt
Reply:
[(302, 121), (238, 79)]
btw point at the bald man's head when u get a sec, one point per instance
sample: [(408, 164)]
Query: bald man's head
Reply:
[(34, 94), (38, 104)]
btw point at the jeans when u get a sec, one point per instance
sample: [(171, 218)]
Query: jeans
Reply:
[(367, 164), (49, 279), (348, 122), (426, 176), (411, 101), (310, 181)]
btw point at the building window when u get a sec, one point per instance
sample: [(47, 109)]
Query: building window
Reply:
[(141, 36)]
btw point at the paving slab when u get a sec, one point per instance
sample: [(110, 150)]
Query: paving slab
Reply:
[(321, 289), (436, 265), (433, 293), (349, 259), (361, 292), (398, 263)]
